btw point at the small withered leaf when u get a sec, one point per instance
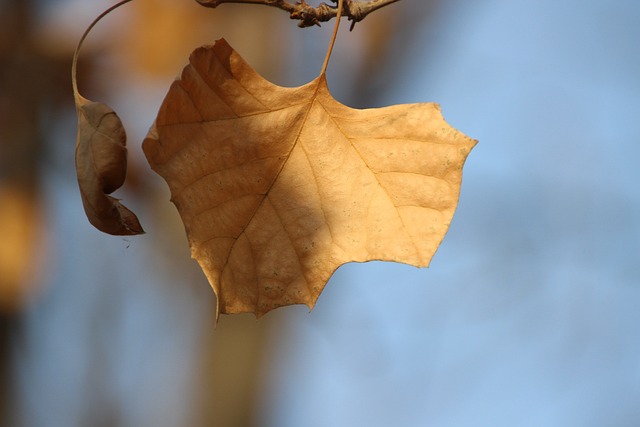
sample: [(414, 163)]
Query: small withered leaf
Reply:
[(101, 167)]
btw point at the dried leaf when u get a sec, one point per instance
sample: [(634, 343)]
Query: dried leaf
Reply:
[(101, 156), (101, 166), (277, 187)]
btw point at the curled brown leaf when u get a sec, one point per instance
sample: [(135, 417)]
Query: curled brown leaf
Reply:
[(101, 157), (101, 166)]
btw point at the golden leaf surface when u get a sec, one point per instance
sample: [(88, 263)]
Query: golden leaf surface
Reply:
[(277, 187)]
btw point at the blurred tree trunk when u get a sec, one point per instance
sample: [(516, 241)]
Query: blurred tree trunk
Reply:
[(20, 148)]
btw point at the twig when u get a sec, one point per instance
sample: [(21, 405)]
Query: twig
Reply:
[(308, 15)]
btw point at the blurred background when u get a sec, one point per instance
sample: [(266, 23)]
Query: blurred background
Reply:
[(528, 316)]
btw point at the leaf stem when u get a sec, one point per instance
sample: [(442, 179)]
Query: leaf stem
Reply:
[(333, 38), (74, 63)]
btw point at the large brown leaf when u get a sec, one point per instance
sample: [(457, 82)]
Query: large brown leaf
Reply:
[(277, 187)]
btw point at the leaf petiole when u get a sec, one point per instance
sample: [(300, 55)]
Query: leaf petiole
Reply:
[(333, 38), (74, 82)]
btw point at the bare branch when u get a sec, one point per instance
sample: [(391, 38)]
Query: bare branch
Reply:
[(308, 15)]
